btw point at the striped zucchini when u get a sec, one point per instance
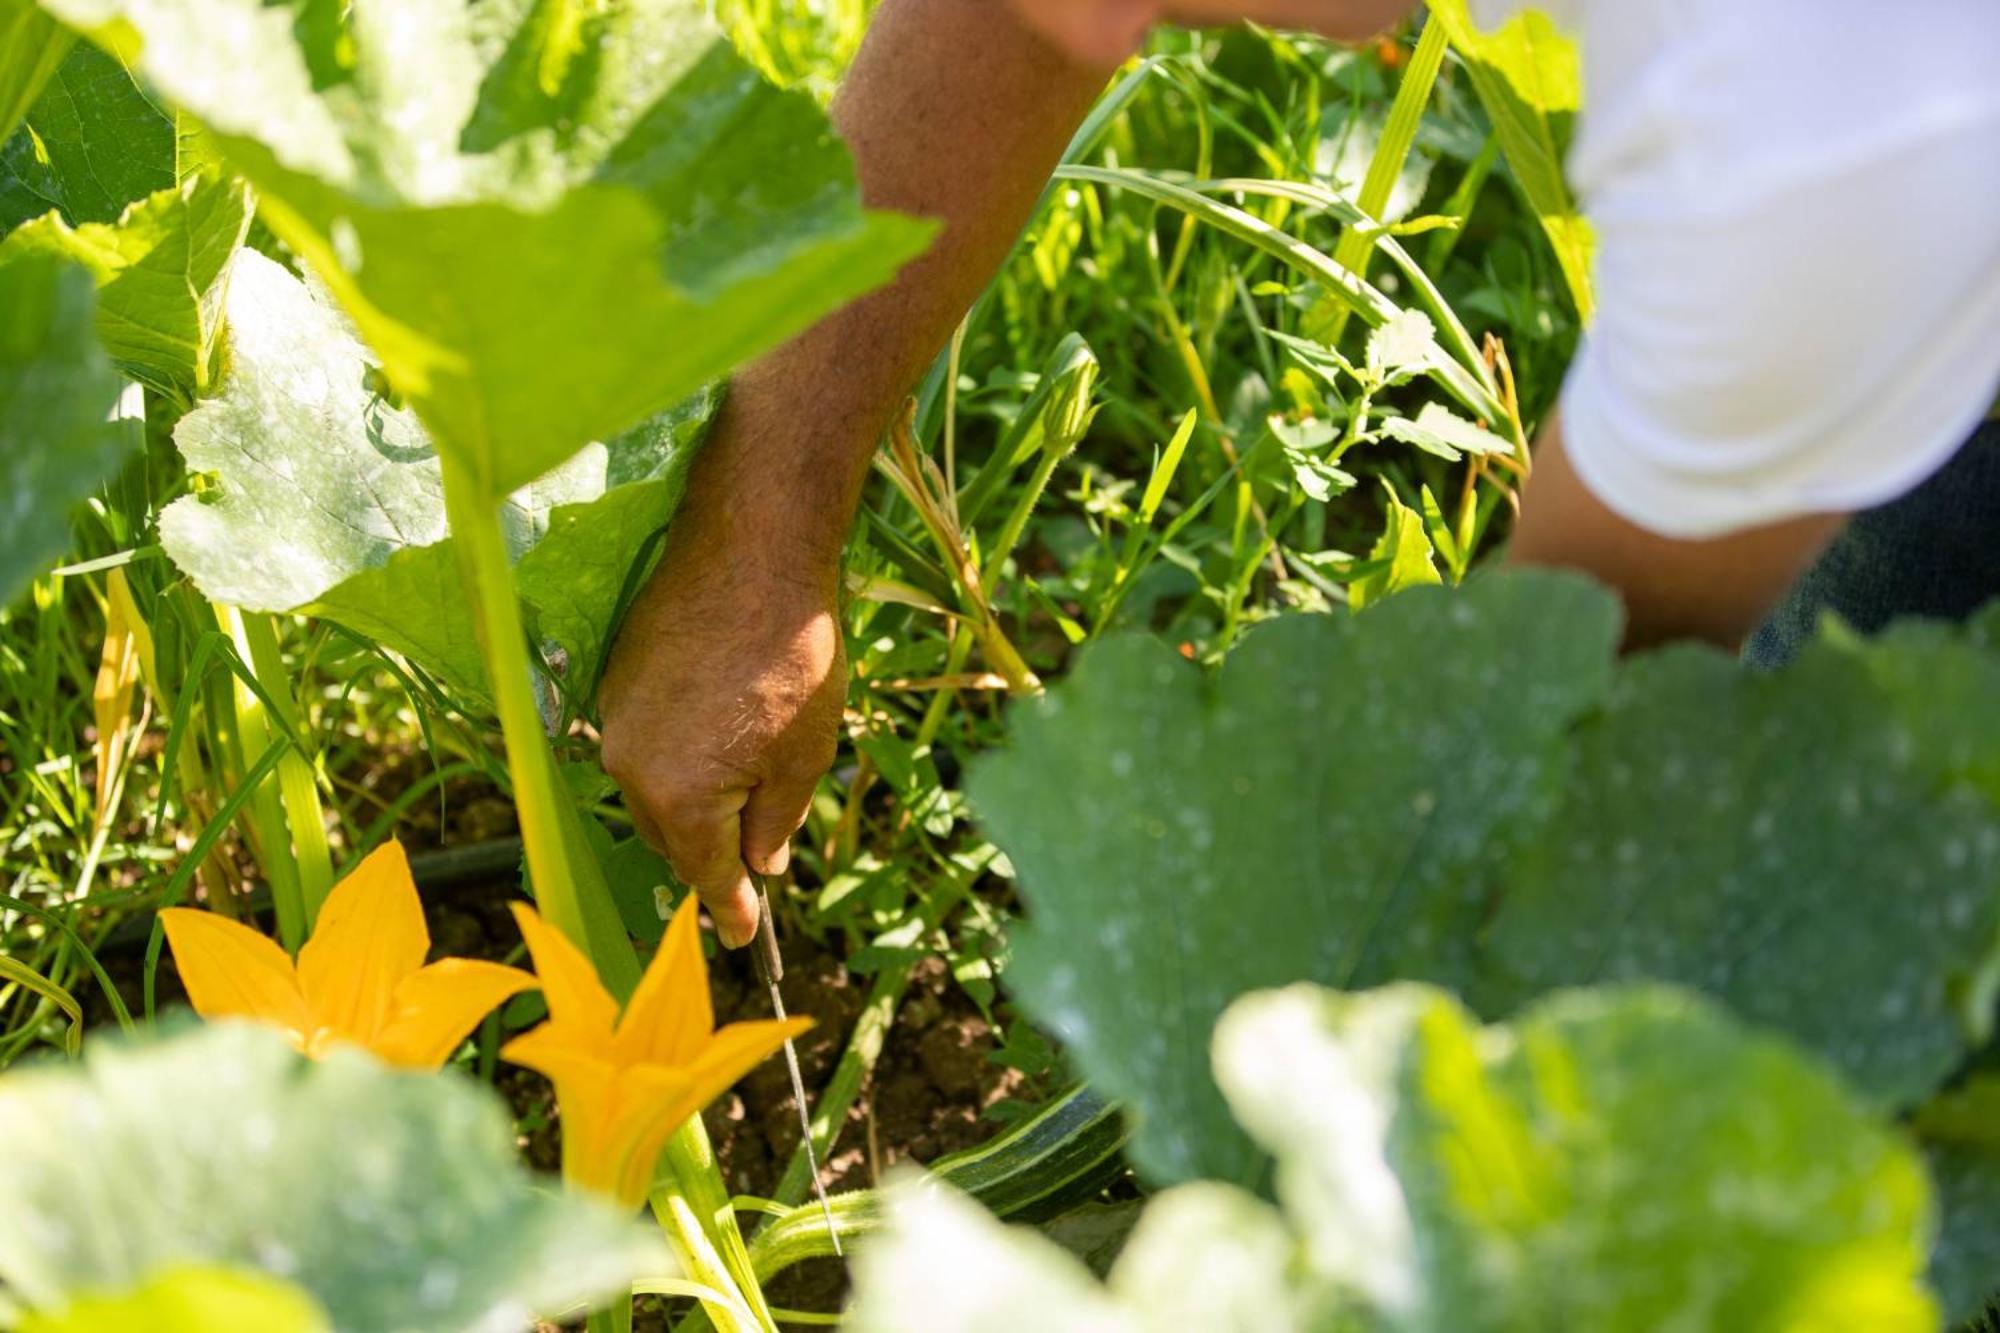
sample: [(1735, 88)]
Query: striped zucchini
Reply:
[(1047, 1164)]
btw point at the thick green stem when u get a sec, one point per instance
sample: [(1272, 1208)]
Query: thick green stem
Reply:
[(689, 1197), (545, 810), (688, 1190)]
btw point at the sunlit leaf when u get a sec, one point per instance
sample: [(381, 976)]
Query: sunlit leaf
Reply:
[(326, 497), (1624, 1161), (1439, 431), (1620, 1161), (32, 46), (93, 145), (1404, 555), (157, 270), (191, 1300), (547, 232)]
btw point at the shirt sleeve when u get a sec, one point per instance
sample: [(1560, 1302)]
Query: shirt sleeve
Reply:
[(1786, 325)]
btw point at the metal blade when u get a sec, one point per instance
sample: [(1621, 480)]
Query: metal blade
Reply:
[(771, 968)]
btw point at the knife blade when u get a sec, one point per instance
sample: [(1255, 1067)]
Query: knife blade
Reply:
[(771, 969)]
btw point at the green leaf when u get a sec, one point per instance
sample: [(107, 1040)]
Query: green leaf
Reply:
[(1203, 1256), (191, 1300), (548, 231), (1404, 348), (1529, 76), (394, 1200), (1403, 553), (32, 46), (1775, 840), (949, 1266), (1442, 432), (326, 497), (157, 270), (56, 390), (1448, 789), (1960, 1134), (1619, 1161), (92, 146), (1941, 682), (1320, 809)]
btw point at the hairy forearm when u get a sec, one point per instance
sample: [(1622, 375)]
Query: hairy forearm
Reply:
[(954, 111)]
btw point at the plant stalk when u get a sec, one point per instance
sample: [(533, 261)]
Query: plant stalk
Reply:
[(265, 812), (688, 1197), (298, 790)]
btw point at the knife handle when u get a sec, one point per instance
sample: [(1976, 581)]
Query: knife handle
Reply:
[(770, 962)]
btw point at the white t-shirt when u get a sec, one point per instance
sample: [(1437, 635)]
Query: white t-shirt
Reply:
[(1797, 205)]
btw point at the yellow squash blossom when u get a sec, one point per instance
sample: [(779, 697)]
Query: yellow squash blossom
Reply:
[(625, 1084), (360, 980)]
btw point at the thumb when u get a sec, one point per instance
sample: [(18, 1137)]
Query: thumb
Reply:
[(775, 811)]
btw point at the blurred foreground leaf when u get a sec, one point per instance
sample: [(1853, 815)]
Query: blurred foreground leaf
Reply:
[(1458, 787), (1622, 1161), (56, 391), (192, 1300), (394, 1200)]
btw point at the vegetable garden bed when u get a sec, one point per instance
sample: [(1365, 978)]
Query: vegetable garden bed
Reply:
[(1280, 917)]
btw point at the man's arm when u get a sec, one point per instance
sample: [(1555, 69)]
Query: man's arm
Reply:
[(723, 698), (1718, 590)]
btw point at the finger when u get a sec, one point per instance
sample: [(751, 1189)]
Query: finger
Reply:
[(776, 810), (702, 839)]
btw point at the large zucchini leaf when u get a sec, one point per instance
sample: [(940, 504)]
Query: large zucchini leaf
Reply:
[(1452, 788), (56, 391), (324, 496), (1779, 841), (93, 145), (1321, 810), (395, 1201), (1622, 1161), (549, 220)]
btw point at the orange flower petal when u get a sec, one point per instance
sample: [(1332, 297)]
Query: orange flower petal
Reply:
[(562, 1053), (230, 971), (577, 999), (370, 936), (437, 1006), (649, 1103), (669, 1018), (738, 1049), (579, 1066)]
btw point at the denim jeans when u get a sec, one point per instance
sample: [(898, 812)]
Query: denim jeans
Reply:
[(1934, 553)]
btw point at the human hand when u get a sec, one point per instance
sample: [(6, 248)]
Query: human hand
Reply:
[(723, 697)]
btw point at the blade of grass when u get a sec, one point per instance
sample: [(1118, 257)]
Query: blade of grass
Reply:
[(1392, 153)]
